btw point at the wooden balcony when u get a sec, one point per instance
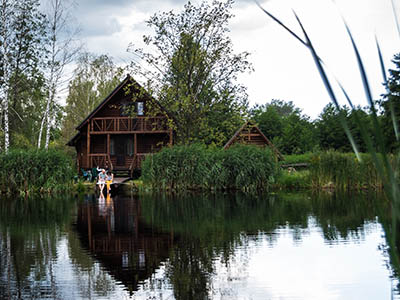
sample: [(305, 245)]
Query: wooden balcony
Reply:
[(120, 125)]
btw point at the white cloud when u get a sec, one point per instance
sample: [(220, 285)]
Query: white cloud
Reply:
[(284, 68)]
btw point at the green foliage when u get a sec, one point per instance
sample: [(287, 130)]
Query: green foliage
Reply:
[(391, 106), (330, 131), (293, 180), (194, 72), (94, 78), (282, 122), (195, 166), (297, 158), (344, 171), (34, 170)]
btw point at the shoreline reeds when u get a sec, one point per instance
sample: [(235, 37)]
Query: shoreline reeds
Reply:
[(196, 167), (35, 171)]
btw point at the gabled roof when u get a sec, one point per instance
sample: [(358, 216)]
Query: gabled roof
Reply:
[(128, 79), (250, 124)]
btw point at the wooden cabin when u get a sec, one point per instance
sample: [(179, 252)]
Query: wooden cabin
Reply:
[(250, 134), (109, 137)]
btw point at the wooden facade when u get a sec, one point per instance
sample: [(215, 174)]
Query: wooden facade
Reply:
[(250, 134), (110, 138)]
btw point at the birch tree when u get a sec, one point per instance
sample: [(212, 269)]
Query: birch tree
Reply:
[(6, 15), (22, 39), (63, 47)]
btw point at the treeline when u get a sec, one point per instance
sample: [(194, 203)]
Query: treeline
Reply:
[(294, 133)]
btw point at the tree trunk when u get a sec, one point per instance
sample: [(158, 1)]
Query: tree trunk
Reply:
[(5, 34), (41, 130), (48, 119)]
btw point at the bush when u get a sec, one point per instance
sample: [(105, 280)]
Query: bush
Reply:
[(34, 170), (197, 167)]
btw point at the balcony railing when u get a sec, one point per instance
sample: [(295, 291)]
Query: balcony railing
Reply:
[(102, 160), (127, 124)]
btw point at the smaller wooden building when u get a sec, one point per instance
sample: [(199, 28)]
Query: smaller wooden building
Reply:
[(109, 137), (250, 134)]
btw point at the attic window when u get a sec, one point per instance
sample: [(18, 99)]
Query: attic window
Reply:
[(140, 108)]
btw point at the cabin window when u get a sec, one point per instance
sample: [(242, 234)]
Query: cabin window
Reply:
[(129, 147), (140, 108), (112, 146)]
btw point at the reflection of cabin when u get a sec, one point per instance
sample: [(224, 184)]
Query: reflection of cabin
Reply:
[(250, 134), (112, 230), (109, 137)]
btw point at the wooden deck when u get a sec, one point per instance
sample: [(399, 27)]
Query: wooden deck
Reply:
[(119, 180)]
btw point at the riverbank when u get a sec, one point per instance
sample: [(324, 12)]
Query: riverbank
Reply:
[(318, 171)]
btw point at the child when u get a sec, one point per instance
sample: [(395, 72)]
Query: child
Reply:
[(102, 179), (109, 180)]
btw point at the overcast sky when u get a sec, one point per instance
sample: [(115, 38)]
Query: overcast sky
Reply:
[(284, 69)]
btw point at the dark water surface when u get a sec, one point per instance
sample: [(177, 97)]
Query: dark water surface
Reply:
[(281, 246)]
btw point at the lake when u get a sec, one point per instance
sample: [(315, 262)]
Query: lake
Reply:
[(199, 246)]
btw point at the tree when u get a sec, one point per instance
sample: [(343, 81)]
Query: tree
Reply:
[(62, 49), (94, 78), (22, 38), (283, 123), (390, 105), (330, 131), (6, 15), (193, 71)]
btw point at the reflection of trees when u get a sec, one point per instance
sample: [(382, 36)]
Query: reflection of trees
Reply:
[(29, 232), (209, 226), (220, 219), (342, 215)]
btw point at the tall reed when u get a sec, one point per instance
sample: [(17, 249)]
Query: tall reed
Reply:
[(344, 171), (197, 167), (25, 171)]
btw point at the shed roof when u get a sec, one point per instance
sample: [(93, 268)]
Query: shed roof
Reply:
[(251, 125)]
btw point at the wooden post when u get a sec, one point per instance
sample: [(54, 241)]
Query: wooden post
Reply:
[(108, 144), (135, 149), (89, 162), (170, 137), (134, 144), (108, 150)]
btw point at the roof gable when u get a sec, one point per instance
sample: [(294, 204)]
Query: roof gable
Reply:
[(128, 80), (247, 129)]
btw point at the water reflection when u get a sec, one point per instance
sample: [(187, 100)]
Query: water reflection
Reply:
[(129, 249), (29, 231), (222, 246)]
